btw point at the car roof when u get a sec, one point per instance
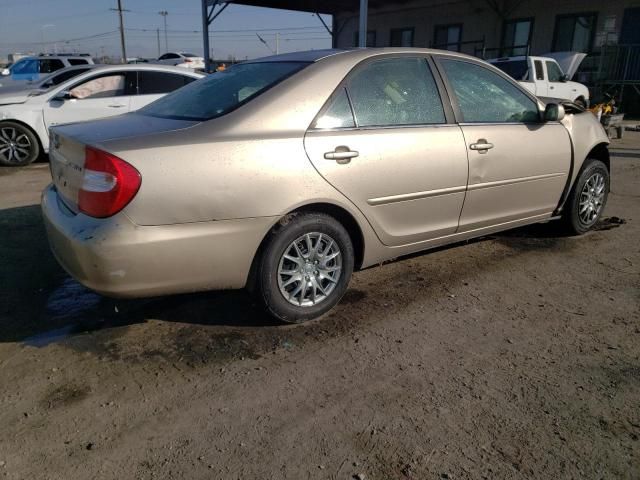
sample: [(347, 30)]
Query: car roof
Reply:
[(147, 66), (357, 53)]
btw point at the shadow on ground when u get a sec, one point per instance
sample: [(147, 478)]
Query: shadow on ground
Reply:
[(40, 303)]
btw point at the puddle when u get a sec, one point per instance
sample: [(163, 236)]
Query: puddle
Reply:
[(70, 300)]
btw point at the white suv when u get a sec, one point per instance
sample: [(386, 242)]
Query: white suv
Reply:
[(34, 68)]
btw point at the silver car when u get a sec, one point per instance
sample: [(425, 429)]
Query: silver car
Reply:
[(285, 174)]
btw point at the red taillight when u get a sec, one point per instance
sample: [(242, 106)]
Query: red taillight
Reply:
[(108, 184), (188, 60)]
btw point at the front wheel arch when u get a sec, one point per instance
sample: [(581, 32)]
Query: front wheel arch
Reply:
[(31, 129)]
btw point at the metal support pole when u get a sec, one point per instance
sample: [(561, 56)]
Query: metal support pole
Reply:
[(124, 49), (205, 37), (277, 43), (362, 40), (158, 39)]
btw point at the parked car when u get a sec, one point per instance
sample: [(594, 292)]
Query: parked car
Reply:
[(182, 59), (15, 93), (544, 77), (100, 92), (285, 174), (32, 69)]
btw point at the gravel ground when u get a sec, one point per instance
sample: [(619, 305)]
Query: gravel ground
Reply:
[(513, 356)]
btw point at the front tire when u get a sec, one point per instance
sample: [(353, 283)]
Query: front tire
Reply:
[(18, 145), (588, 197), (304, 268)]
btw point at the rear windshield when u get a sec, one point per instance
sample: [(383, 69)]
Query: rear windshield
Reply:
[(517, 69), (221, 92), (189, 55)]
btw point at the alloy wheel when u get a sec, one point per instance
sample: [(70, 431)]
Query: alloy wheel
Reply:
[(309, 269), (15, 146), (592, 198)]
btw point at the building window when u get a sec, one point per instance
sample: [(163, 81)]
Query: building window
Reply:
[(371, 38), (448, 37), (574, 32), (516, 37), (402, 37)]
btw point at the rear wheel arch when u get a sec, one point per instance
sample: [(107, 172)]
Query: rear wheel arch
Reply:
[(343, 216)]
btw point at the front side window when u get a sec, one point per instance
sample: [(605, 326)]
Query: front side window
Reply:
[(77, 61), (57, 79), (398, 91), (448, 37), (153, 83), (574, 32), (485, 97), (402, 37), (553, 72), (222, 91), (112, 85)]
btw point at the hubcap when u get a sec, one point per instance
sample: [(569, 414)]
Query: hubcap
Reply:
[(15, 146), (309, 269), (592, 198)]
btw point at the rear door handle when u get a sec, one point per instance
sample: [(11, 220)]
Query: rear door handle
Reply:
[(117, 105), (342, 153), (481, 146)]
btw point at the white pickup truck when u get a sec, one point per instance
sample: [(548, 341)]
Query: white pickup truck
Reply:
[(544, 77)]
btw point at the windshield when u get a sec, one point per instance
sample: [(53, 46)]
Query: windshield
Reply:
[(517, 69), (221, 92)]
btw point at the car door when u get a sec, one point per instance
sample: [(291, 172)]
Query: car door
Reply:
[(98, 96), (518, 165), (388, 143), (155, 84), (558, 86)]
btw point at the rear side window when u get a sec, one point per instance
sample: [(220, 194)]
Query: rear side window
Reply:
[(150, 83), (337, 114), (50, 65), (485, 97), (77, 61), (222, 92), (539, 70), (517, 69), (396, 91)]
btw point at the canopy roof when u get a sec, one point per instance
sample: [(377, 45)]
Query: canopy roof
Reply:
[(317, 6)]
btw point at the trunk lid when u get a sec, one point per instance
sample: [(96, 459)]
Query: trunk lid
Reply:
[(68, 142)]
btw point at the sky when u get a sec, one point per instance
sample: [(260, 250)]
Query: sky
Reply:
[(33, 26)]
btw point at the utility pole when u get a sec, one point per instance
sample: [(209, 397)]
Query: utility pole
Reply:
[(158, 38), (164, 14), (277, 43), (122, 43)]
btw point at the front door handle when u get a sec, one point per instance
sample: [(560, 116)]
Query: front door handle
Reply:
[(342, 154), (117, 105), (481, 146)]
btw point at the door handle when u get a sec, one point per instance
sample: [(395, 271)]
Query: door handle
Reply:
[(117, 105), (481, 146), (342, 154)]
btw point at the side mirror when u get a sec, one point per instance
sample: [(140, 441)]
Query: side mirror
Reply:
[(62, 96), (5, 72), (564, 77), (553, 112)]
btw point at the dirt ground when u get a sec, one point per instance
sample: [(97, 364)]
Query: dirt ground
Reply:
[(515, 356)]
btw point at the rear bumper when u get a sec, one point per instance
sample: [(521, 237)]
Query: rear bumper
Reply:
[(117, 258)]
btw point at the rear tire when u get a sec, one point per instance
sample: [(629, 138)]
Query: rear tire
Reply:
[(18, 145), (304, 268), (588, 197)]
